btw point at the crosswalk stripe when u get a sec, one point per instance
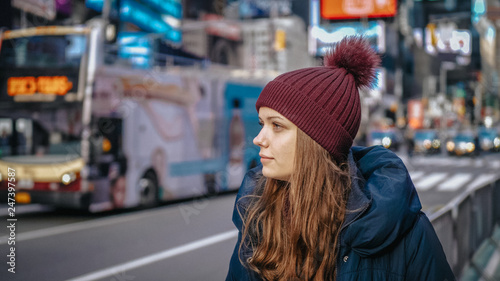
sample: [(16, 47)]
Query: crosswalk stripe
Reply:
[(415, 175), (455, 182), (461, 163), (480, 181), (478, 163), (428, 182)]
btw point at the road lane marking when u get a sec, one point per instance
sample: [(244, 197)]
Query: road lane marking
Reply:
[(479, 163), (455, 182), (85, 225), (481, 181), (110, 271), (416, 175), (428, 182), (462, 163), (26, 209)]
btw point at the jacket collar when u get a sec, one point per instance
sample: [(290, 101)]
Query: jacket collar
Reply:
[(357, 201)]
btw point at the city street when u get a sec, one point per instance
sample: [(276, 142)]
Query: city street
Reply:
[(192, 240), (126, 127), (439, 179), (189, 240)]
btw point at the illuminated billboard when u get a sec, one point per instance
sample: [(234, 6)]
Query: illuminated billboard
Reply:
[(156, 16), (354, 9), (322, 37), (148, 20), (166, 7), (136, 47), (447, 38), (415, 114)]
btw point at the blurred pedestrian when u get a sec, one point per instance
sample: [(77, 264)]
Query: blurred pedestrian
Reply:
[(410, 141), (317, 208)]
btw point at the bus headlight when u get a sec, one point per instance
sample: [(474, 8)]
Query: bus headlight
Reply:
[(68, 178), (386, 142)]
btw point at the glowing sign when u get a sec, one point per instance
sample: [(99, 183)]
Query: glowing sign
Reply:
[(446, 38), (351, 9), (415, 114), (137, 47), (55, 85), (148, 20), (321, 38)]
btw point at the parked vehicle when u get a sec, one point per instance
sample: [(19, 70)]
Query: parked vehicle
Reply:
[(489, 139), (427, 142), (389, 139), (463, 144)]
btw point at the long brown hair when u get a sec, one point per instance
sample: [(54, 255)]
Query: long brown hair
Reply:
[(293, 227)]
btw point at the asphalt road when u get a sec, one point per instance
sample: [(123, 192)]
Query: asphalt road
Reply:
[(190, 240)]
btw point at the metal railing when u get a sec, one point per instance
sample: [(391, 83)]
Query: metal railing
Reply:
[(466, 221)]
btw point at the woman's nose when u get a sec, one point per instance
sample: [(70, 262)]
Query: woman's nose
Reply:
[(259, 140)]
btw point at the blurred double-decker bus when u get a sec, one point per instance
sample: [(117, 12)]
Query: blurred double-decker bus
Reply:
[(80, 133)]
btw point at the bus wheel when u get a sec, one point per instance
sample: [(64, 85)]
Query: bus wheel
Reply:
[(149, 190)]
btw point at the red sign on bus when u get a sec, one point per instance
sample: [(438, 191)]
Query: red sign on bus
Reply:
[(58, 85)]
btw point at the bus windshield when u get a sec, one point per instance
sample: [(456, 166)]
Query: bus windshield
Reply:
[(60, 51), (40, 103)]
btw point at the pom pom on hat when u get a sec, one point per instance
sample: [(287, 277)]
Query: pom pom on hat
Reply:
[(324, 101), (357, 57)]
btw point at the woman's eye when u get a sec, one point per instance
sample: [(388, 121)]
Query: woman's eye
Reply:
[(277, 126), (261, 124)]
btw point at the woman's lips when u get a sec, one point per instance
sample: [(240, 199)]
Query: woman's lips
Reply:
[(264, 158)]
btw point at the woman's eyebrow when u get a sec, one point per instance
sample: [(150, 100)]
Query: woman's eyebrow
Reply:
[(270, 118), (274, 117)]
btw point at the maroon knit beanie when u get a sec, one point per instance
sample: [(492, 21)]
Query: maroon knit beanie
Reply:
[(324, 101)]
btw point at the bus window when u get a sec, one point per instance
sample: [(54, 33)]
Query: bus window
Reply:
[(5, 136)]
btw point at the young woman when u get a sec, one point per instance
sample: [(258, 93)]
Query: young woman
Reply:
[(317, 208)]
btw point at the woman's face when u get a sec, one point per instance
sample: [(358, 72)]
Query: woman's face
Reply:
[(276, 140)]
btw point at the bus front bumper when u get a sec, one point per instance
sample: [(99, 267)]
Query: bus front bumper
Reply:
[(62, 199)]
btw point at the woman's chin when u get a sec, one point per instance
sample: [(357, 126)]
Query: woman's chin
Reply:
[(268, 173)]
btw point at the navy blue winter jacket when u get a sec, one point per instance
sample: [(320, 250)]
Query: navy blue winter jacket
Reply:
[(384, 237)]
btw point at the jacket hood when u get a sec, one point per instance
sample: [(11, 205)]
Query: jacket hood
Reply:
[(383, 203)]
